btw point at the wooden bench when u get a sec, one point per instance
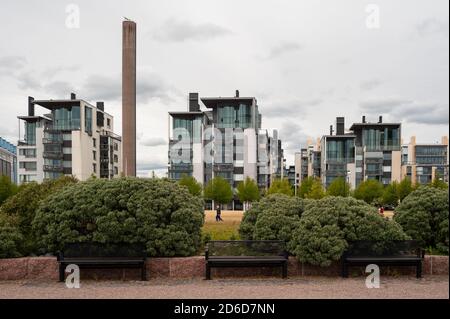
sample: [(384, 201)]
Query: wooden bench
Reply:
[(101, 256), (383, 253), (246, 253)]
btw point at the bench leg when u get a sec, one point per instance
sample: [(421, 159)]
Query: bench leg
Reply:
[(285, 270), (144, 273), (62, 271), (208, 272), (344, 272), (419, 270)]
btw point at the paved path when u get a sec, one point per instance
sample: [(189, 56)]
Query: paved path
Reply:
[(305, 287)]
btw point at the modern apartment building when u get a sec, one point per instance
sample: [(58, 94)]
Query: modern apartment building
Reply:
[(423, 163), (338, 155), (73, 138), (378, 151), (225, 140), (8, 160)]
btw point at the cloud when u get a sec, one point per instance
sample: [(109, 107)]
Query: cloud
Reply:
[(404, 110), (174, 30), (290, 108), (282, 49), (149, 165), (370, 84), (292, 136), (148, 86), (10, 64), (432, 26), (153, 141)]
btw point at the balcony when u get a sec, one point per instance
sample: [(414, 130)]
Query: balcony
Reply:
[(53, 168), (53, 155), (53, 140)]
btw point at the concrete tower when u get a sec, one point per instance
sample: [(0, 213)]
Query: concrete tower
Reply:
[(129, 97)]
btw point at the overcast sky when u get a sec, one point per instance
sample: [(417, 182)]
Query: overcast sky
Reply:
[(305, 61)]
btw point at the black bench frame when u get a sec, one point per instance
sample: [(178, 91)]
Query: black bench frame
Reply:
[(245, 261), (348, 259), (136, 260)]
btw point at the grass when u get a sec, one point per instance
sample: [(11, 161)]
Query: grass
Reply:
[(225, 230)]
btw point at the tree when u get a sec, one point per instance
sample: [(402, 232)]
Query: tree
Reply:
[(194, 187), (7, 188), (327, 225), (280, 186), (317, 191), (218, 190), (160, 214), (339, 187), (305, 186), (390, 194), (369, 191), (404, 188), (423, 214), (248, 192), (438, 182)]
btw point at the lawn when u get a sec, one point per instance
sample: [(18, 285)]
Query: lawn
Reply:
[(225, 230)]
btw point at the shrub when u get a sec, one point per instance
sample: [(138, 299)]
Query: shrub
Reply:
[(7, 188), (423, 215), (328, 224), (10, 238), (272, 218), (21, 208), (159, 213)]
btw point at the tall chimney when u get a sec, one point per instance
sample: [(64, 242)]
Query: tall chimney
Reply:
[(30, 106), (129, 97), (340, 125)]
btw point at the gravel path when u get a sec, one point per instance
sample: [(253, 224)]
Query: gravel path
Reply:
[(305, 287)]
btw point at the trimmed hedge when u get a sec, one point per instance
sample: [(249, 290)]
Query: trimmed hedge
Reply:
[(423, 215), (274, 217), (328, 224), (157, 212)]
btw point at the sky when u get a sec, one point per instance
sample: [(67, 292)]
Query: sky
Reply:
[(306, 62)]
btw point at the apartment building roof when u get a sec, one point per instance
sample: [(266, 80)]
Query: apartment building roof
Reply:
[(211, 102), (360, 125)]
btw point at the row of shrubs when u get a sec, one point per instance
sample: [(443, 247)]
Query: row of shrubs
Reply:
[(41, 218), (318, 231), (157, 212)]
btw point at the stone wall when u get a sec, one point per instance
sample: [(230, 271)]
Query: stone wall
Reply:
[(46, 268)]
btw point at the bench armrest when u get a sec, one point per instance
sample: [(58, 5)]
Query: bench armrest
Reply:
[(206, 252)]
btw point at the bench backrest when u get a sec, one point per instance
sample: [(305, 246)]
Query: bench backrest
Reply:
[(246, 248), (110, 250), (396, 248)]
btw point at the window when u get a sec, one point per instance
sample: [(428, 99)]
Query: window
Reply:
[(108, 123), (88, 120), (94, 142), (116, 170), (116, 158), (94, 167), (116, 146), (28, 166), (66, 118), (94, 155), (30, 133), (28, 152), (67, 150)]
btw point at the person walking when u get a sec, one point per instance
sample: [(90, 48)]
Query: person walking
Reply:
[(218, 213)]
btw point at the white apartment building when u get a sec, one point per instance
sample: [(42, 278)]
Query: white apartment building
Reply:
[(75, 138)]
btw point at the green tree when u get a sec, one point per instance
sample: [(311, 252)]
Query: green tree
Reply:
[(438, 182), (390, 194), (404, 188), (369, 191), (194, 187), (158, 213), (317, 190), (339, 187), (218, 190), (305, 186), (423, 214), (327, 225), (7, 188), (280, 186), (248, 192)]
